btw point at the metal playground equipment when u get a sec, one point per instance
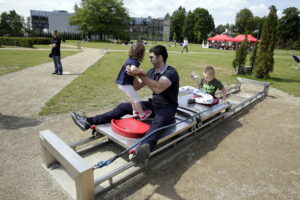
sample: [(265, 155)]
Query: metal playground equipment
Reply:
[(76, 170)]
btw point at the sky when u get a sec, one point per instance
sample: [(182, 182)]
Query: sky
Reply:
[(223, 11)]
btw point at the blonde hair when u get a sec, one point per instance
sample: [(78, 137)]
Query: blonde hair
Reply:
[(209, 70), (137, 51)]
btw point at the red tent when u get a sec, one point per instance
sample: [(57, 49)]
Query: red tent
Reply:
[(220, 38), (240, 38)]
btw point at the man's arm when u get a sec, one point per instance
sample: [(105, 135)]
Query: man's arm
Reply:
[(138, 83), (156, 86)]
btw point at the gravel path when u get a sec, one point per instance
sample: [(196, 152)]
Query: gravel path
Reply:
[(24, 92), (253, 156)]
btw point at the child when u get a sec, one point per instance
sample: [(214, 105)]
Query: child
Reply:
[(125, 81), (209, 83)]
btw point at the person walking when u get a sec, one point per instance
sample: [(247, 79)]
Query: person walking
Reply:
[(55, 52), (185, 45)]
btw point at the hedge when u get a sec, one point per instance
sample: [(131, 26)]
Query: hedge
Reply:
[(23, 41)]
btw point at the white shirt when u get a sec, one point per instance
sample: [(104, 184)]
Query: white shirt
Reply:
[(185, 43)]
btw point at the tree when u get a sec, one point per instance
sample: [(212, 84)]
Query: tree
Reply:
[(11, 24), (244, 21), (240, 57), (101, 17), (167, 16), (204, 24), (221, 29), (289, 27), (27, 25), (198, 25), (177, 22), (264, 62), (258, 25), (188, 26)]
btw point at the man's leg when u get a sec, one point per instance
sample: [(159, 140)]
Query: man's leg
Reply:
[(59, 66), (55, 64), (122, 109), (163, 116)]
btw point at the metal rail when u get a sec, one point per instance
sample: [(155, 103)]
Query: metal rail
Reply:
[(87, 186)]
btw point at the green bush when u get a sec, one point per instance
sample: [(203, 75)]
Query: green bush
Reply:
[(240, 57), (23, 41)]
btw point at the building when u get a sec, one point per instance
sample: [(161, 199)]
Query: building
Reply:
[(139, 28), (149, 29), (46, 21)]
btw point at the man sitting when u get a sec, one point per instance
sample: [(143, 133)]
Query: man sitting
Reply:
[(163, 81)]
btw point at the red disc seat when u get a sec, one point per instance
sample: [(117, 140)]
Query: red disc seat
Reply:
[(129, 127)]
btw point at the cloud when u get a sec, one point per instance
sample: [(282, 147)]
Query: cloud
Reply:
[(23, 7), (222, 11)]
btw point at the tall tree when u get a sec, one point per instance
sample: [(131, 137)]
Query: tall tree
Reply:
[(198, 25), (177, 22), (189, 25), (204, 24), (258, 25), (167, 16), (289, 26), (264, 62), (244, 21), (240, 57), (101, 17), (11, 24)]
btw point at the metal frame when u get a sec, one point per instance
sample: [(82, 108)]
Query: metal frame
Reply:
[(83, 174)]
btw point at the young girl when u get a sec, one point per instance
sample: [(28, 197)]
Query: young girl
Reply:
[(125, 81)]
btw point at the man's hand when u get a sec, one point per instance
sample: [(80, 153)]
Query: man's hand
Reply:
[(134, 71)]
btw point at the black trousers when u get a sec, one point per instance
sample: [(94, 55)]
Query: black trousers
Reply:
[(162, 115)]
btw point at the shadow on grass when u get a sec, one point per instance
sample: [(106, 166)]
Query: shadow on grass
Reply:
[(14, 122)]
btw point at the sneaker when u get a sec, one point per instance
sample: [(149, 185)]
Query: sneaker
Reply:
[(146, 114), (141, 153), (80, 121), (53, 72), (135, 114), (59, 73)]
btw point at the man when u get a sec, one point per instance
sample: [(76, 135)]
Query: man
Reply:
[(55, 44), (185, 45), (163, 81)]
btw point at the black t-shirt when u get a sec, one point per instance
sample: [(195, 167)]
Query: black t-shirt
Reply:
[(56, 50), (211, 86), (123, 78), (169, 97)]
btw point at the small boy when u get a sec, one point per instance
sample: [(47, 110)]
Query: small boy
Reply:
[(209, 83)]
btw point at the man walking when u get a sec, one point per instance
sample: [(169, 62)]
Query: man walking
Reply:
[(185, 45), (55, 44), (163, 81)]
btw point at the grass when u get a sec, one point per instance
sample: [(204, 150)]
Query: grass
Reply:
[(107, 45), (15, 60), (96, 90)]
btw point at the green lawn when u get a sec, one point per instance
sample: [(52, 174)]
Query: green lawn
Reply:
[(96, 90), (100, 44), (14, 60)]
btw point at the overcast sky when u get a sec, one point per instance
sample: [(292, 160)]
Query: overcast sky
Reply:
[(223, 11)]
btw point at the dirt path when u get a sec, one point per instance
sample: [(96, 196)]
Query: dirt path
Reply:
[(253, 156), (24, 92)]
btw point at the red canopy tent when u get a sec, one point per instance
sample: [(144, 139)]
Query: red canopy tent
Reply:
[(220, 38), (240, 38)]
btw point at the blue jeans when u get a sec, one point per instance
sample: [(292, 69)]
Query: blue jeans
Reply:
[(162, 116), (57, 64)]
